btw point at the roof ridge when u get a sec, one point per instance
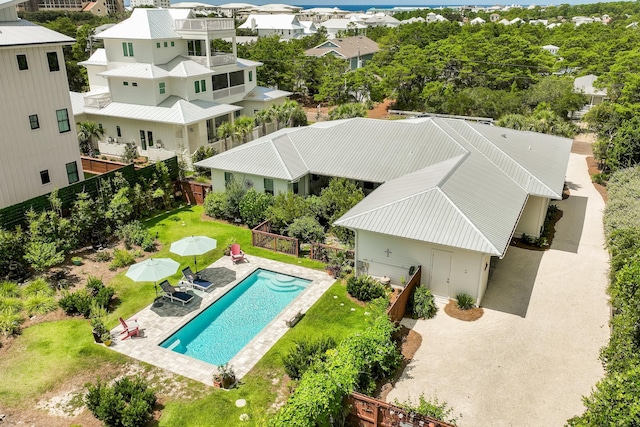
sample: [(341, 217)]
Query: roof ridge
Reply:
[(277, 151), (393, 202)]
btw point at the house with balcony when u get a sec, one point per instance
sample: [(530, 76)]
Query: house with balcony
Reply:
[(39, 143), (161, 83), (285, 25)]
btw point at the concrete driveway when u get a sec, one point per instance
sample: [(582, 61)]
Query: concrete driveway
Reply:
[(534, 353)]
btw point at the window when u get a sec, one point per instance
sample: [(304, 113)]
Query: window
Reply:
[(150, 138), (236, 78), (63, 120), (99, 125), (162, 87), (250, 76), (165, 44), (294, 187), (268, 186), (203, 85), (118, 132), (228, 177), (173, 44), (197, 86), (194, 48), (22, 62), (220, 81), (143, 140), (127, 49), (221, 119), (134, 84), (52, 59), (72, 172), (33, 120), (125, 83), (158, 45), (210, 131), (44, 177)]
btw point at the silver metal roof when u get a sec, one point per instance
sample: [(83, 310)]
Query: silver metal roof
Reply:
[(17, 33), (446, 181), (144, 24), (184, 67), (99, 57), (138, 71)]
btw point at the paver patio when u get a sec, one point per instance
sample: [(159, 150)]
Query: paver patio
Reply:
[(157, 323), (534, 353)]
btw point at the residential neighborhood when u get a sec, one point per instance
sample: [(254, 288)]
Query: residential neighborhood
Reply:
[(279, 215)]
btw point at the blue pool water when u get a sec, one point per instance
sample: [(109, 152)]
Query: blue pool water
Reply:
[(226, 326)]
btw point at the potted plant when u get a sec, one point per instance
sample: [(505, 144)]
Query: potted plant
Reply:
[(98, 329), (76, 260), (224, 377), (106, 339)]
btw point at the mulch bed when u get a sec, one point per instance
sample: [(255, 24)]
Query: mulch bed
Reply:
[(592, 165), (518, 243), (469, 315)]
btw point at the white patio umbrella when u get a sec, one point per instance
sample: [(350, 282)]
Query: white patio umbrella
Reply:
[(152, 270), (193, 245)]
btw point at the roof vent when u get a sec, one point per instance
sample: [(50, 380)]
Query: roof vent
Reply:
[(504, 135)]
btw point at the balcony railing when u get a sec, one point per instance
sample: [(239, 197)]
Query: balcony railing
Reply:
[(204, 24), (223, 93), (223, 59), (97, 101)]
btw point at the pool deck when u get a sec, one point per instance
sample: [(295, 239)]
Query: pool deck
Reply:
[(158, 323)]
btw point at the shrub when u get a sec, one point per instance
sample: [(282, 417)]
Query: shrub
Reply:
[(10, 323), (94, 284), (10, 305), (9, 289), (103, 256), (40, 304), (135, 233), (430, 408), (424, 304), (286, 208), (365, 288), (76, 303), (304, 354), (253, 207), (121, 258), (306, 229), (126, 403), (526, 239), (38, 286), (465, 301), (215, 204), (42, 255), (104, 296)]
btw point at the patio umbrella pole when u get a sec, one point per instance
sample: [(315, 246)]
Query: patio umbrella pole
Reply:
[(157, 302), (195, 261)]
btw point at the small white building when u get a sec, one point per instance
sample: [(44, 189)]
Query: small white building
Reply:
[(287, 26), (584, 85), (356, 50), (160, 83), (340, 25), (445, 194), (39, 143), (477, 21), (553, 50)]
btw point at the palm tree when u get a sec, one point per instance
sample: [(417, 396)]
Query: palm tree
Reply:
[(87, 131), (263, 117), (225, 130), (243, 127), (348, 111)]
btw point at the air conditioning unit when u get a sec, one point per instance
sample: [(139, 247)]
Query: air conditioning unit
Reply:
[(110, 140)]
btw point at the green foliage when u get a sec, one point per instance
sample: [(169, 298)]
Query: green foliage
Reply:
[(42, 255), (335, 200), (306, 229), (135, 233), (40, 304), (128, 403), (9, 289), (121, 258), (103, 256), (11, 305), (423, 303), (130, 152), (624, 149), (431, 408), (465, 301), (234, 191), (215, 203), (286, 208), (94, 284), (340, 263), (75, 303), (365, 288), (38, 286), (10, 323), (304, 354), (203, 152), (348, 111), (253, 207), (542, 120), (623, 208), (12, 246), (120, 208)]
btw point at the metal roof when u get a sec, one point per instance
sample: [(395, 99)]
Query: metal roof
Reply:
[(144, 24), (184, 67), (348, 47), (17, 33), (446, 181), (138, 71), (260, 93), (173, 110), (272, 22), (99, 57), (584, 84)]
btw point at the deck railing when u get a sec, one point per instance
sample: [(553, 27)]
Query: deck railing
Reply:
[(322, 252), (262, 237)]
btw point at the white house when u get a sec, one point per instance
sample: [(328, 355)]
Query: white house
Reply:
[(357, 50), (584, 85), (445, 194), (552, 49), (477, 21), (160, 82), (337, 25), (151, 3), (287, 26), (39, 142)]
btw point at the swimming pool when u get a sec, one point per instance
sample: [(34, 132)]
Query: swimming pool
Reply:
[(226, 326)]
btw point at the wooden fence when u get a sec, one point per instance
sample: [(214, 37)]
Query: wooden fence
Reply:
[(397, 310), (100, 166), (322, 252), (365, 411), (12, 216), (262, 237), (195, 192)]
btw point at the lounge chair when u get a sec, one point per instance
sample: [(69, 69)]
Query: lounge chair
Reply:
[(195, 280), (236, 253), (173, 294), (130, 329)]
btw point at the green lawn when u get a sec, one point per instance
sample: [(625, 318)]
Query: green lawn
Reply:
[(48, 354)]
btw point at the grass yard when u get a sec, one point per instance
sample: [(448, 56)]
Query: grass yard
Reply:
[(263, 386), (48, 355)]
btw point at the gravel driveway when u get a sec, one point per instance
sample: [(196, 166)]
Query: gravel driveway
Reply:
[(534, 353)]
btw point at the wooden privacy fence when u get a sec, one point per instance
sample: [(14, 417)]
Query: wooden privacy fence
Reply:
[(397, 310), (262, 237), (195, 192), (365, 411), (99, 166), (322, 252)]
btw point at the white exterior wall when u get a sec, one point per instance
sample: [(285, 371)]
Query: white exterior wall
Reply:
[(217, 181), (250, 107), (96, 81), (145, 93), (27, 152), (162, 55), (467, 267), (532, 217), (114, 52)]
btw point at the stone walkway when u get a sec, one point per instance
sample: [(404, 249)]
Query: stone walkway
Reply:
[(534, 353), (158, 323)]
